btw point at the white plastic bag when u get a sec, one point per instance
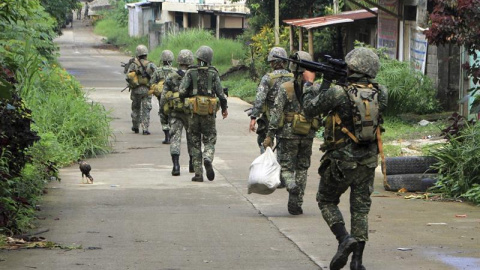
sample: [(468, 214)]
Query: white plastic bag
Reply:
[(264, 175)]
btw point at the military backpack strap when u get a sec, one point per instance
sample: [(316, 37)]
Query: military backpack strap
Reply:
[(194, 74), (289, 88), (274, 76)]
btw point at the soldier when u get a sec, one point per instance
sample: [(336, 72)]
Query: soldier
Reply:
[(295, 135), (173, 106), (202, 88), (352, 129), (138, 77), (266, 93), (158, 80)]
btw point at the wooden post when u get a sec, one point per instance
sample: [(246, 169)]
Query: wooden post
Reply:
[(218, 26), (277, 23), (310, 42), (300, 39), (291, 38), (185, 20)]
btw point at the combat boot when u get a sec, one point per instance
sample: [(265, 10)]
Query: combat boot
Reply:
[(190, 165), (293, 207), (176, 165), (356, 263), (146, 132), (136, 130), (167, 137), (209, 168), (346, 245), (197, 178)]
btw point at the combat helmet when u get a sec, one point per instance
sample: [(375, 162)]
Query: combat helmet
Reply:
[(141, 50), (205, 54), (363, 60), (300, 55), (276, 51), (185, 57), (167, 56)]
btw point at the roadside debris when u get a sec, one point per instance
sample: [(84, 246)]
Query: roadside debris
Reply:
[(461, 216), (438, 223), (405, 249), (34, 242)]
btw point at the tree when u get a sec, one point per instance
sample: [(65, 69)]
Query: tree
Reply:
[(457, 22), (59, 9)]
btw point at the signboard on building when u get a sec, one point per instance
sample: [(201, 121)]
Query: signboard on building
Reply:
[(418, 51), (388, 27)]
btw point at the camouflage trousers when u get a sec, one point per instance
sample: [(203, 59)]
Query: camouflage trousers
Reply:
[(203, 130), (164, 119), (294, 158), (178, 122), (141, 107), (336, 177)]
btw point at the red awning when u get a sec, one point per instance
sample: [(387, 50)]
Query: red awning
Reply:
[(344, 17)]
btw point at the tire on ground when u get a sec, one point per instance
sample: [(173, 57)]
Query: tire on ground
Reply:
[(411, 182), (410, 164)]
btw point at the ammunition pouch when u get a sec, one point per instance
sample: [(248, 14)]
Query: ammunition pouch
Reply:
[(135, 80), (202, 105), (175, 103), (301, 125), (156, 89)]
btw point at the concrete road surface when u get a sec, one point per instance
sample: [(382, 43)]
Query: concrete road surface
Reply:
[(137, 216)]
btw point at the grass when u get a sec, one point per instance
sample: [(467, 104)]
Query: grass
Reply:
[(242, 87)]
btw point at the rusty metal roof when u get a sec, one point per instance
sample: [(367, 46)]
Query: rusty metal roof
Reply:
[(344, 17)]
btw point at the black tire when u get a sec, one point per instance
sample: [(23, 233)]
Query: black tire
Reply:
[(410, 164), (411, 182)]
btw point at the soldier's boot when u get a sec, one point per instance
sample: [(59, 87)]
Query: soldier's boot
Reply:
[(346, 245), (136, 130), (356, 263), (176, 165), (197, 178), (190, 165), (209, 168), (167, 137), (293, 206), (146, 132)]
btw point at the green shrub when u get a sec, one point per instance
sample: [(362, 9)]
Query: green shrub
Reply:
[(408, 90), (241, 87), (459, 165)]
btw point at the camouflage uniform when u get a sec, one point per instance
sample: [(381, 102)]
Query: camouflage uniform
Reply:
[(266, 93), (161, 73), (294, 151), (141, 101), (345, 163), (202, 127), (178, 119)]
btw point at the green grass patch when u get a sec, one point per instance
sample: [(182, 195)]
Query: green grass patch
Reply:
[(242, 87), (397, 129)]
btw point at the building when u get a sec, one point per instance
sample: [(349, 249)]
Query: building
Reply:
[(157, 17)]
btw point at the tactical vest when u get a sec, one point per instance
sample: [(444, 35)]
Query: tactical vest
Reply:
[(202, 105), (273, 77), (173, 101), (365, 118), (137, 77), (301, 125)]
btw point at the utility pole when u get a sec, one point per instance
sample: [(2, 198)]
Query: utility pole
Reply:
[(277, 23)]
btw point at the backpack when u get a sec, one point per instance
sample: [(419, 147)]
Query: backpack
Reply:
[(366, 115)]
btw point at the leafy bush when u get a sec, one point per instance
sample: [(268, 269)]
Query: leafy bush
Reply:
[(241, 87), (408, 90), (34, 87), (459, 165)]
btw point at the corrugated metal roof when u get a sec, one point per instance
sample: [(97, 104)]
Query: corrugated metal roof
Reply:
[(344, 17)]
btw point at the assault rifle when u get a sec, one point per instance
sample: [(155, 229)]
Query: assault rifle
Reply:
[(334, 69)]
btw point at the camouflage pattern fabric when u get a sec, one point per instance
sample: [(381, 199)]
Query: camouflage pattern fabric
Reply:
[(336, 176), (177, 120), (281, 106), (294, 150), (161, 73), (141, 107), (141, 101), (202, 128), (294, 158), (348, 164), (266, 93)]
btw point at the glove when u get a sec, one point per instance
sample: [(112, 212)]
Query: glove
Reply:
[(268, 142)]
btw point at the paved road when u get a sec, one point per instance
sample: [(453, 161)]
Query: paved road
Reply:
[(137, 216)]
